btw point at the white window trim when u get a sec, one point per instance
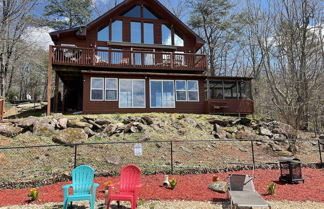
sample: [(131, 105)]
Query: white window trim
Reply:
[(103, 89), (178, 100), (142, 107), (110, 89), (193, 91), (174, 99)]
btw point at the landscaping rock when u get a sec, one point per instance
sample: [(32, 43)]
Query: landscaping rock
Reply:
[(43, 128), (218, 132), (62, 123), (7, 129), (78, 124), (110, 129), (28, 123), (89, 132), (147, 119), (70, 136), (218, 186), (219, 121), (103, 122), (265, 132)]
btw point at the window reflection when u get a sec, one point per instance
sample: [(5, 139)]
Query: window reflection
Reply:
[(148, 14), (117, 31), (166, 35), (134, 12), (102, 56), (136, 33), (103, 34), (148, 33), (178, 41)]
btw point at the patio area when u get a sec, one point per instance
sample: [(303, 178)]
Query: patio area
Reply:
[(189, 188)]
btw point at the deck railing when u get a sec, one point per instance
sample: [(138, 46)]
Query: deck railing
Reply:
[(113, 58)]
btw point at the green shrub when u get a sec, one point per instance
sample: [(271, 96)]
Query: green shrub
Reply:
[(271, 189), (33, 194), (173, 183)]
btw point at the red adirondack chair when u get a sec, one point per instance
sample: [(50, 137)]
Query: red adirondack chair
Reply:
[(129, 186)]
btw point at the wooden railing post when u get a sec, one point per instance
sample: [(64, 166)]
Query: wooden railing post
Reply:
[(171, 60), (93, 56), (49, 80)]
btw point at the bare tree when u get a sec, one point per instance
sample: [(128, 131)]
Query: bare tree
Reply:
[(13, 22)]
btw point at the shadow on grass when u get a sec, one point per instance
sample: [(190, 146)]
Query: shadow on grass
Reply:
[(27, 113)]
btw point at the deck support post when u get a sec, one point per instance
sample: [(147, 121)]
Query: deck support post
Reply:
[(56, 97), (49, 81), (63, 98)]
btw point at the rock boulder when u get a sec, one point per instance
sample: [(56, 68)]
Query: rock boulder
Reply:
[(70, 136), (218, 186), (9, 130)]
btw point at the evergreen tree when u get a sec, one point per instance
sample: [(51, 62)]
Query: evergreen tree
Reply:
[(213, 21), (65, 14)]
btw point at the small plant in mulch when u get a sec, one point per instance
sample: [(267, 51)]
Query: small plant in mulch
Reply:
[(271, 189), (173, 183), (33, 194)]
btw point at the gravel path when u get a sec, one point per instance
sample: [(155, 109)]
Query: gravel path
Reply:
[(174, 205)]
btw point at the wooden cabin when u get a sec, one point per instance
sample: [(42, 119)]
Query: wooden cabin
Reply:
[(137, 57)]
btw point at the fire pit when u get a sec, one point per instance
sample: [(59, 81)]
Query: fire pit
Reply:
[(290, 170)]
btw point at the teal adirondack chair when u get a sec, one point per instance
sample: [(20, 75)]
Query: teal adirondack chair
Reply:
[(83, 186)]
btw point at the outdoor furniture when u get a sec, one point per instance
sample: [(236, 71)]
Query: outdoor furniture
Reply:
[(82, 185), (242, 192), (129, 186), (290, 170)]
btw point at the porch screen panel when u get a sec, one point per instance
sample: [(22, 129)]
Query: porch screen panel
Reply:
[(230, 90)]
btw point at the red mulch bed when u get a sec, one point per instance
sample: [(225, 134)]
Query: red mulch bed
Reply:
[(190, 187)]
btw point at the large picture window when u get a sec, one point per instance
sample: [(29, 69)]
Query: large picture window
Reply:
[(148, 33), (97, 89), (162, 94), (131, 93), (103, 34), (111, 89), (136, 32), (166, 35), (117, 31)]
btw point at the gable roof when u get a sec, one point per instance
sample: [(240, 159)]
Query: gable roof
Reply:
[(126, 3)]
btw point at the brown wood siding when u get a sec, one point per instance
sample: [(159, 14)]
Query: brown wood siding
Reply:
[(230, 106), (106, 107)]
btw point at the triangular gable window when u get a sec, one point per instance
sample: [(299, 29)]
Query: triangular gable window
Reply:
[(148, 14), (134, 12)]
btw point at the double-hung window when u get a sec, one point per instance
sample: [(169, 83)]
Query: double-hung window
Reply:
[(181, 90), (162, 94), (193, 91), (97, 89), (187, 91), (131, 93), (111, 89)]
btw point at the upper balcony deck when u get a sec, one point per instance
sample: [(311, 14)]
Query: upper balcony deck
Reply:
[(125, 59)]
